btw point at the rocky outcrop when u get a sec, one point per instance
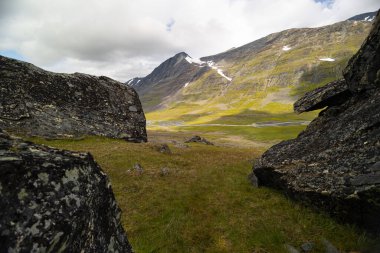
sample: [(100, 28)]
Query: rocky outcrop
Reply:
[(37, 102), (55, 201), (335, 163), (331, 94)]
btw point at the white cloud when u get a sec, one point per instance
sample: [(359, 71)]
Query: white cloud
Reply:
[(127, 38)]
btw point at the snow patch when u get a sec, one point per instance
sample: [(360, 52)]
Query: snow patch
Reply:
[(138, 81), (326, 59), (191, 60), (286, 48), (220, 72), (211, 64), (369, 18), (186, 84)]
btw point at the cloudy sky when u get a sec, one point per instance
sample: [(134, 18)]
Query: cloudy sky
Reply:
[(128, 38)]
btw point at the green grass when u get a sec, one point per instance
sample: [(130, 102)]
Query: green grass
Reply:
[(259, 134), (251, 116), (205, 203)]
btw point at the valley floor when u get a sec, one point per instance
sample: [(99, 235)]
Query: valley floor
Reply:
[(198, 199)]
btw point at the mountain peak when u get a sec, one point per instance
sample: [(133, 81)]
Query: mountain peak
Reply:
[(181, 54)]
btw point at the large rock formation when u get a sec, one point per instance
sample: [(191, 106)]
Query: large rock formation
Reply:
[(55, 201), (37, 102), (335, 163)]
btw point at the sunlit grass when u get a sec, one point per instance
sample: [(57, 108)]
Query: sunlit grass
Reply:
[(205, 203)]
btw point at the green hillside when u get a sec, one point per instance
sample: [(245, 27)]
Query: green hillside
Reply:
[(268, 75)]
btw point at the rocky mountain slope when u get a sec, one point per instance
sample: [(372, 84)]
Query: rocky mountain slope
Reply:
[(37, 102), (55, 201), (167, 79), (271, 72), (335, 163)]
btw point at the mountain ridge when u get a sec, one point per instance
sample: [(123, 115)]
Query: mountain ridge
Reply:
[(295, 60), (368, 16)]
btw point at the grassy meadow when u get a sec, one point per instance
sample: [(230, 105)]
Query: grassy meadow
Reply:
[(199, 199), (204, 201)]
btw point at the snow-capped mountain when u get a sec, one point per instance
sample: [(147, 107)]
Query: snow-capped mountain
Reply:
[(296, 60), (167, 79)]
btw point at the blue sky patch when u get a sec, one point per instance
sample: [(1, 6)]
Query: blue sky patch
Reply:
[(327, 3), (12, 54)]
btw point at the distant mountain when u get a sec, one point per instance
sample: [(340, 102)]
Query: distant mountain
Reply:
[(264, 75), (369, 16), (167, 79)]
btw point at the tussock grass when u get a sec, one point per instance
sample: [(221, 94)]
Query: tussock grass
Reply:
[(205, 203)]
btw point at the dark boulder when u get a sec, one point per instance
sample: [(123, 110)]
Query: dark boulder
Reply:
[(334, 164), (199, 139), (55, 201), (37, 102)]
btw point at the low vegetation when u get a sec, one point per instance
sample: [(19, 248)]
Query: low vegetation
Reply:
[(198, 199)]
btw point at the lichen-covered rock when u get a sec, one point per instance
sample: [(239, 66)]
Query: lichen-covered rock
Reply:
[(335, 163), (55, 201), (331, 94), (37, 102)]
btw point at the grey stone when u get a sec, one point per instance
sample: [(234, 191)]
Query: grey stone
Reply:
[(163, 148), (36, 102), (307, 247), (56, 205), (138, 168), (164, 171)]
